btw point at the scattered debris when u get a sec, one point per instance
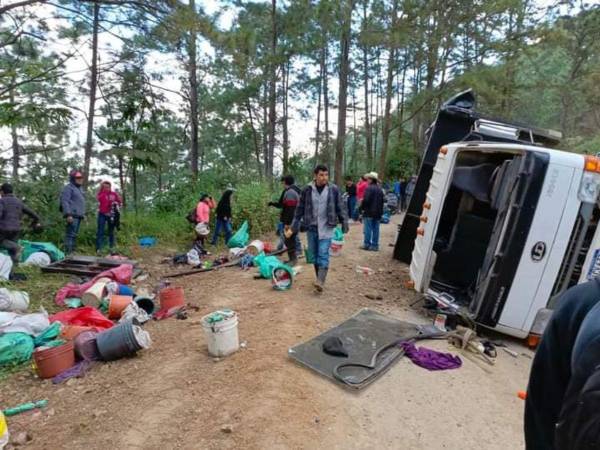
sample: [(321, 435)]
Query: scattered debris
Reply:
[(227, 429), (25, 407), (364, 270)]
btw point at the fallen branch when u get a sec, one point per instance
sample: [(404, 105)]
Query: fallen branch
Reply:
[(210, 269)]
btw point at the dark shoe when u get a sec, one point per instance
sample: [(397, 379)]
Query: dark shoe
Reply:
[(17, 277), (364, 247), (374, 249), (321, 277)]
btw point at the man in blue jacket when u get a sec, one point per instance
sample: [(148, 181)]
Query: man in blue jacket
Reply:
[(320, 209), (72, 206), (372, 211)]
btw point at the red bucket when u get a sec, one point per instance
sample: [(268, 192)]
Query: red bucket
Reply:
[(171, 297)]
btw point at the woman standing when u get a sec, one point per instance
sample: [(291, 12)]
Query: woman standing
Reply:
[(223, 217), (203, 208), (109, 204)]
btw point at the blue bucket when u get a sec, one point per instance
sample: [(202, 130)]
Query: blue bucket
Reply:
[(147, 241), (125, 290), (117, 342)]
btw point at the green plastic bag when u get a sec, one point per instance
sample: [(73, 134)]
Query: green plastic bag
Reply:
[(48, 335), (47, 247), (338, 234), (266, 264), (15, 348), (240, 238)]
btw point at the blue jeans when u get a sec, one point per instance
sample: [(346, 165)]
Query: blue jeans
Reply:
[(371, 231), (103, 221), (71, 232), (319, 248), (352, 212), (224, 225), (281, 244)]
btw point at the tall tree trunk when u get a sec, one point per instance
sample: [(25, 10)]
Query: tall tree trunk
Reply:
[(15, 140), (326, 150), (353, 166), (387, 116), (340, 142), (265, 128), (135, 186), (255, 139), (122, 181), (377, 109), (193, 80), (368, 131), (272, 90), (318, 132), (286, 140), (87, 157)]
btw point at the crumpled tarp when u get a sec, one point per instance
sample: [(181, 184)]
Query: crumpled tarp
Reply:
[(31, 324), (47, 247), (5, 266), (84, 316), (17, 348), (121, 274)]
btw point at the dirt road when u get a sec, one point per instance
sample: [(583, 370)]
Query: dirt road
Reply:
[(176, 396)]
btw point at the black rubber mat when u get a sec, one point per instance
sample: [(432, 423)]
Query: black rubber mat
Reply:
[(363, 335)]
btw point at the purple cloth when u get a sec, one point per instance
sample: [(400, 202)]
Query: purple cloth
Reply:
[(77, 371), (430, 359)]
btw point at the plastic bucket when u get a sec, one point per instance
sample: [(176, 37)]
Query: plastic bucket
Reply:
[(282, 278), (117, 342), (147, 304), (221, 337), (70, 332), (255, 247), (171, 297), (336, 248), (310, 258), (125, 290), (52, 361), (117, 305), (93, 296)]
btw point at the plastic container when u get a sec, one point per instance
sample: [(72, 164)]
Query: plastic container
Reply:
[(336, 248), (125, 290), (221, 336), (255, 247), (147, 304), (117, 342), (310, 258), (86, 347), (116, 305), (52, 361), (4, 436), (70, 332), (93, 296), (171, 297)]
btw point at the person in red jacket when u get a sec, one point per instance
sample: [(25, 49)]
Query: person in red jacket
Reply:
[(361, 187), (109, 204)]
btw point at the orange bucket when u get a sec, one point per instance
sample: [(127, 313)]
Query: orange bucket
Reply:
[(52, 361), (70, 332), (117, 304), (171, 297)]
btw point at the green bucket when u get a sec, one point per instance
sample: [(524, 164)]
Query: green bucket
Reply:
[(310, 258)]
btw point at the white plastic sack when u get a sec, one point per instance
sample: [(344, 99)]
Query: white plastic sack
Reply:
[(13, 301), (193, 258), (40, 259), (134, 314), (6, 265), (236, 252), (32, 324)]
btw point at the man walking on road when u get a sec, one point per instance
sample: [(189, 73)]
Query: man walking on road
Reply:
[(11, 213), (320, 209), (72, 206), (288, 201), (372, 210)]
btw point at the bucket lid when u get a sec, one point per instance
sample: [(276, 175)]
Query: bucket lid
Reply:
[(219, 316)]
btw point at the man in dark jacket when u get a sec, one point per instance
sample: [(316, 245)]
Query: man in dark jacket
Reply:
[(288, 201), (562, 409), (11, 213), (372, 210), (351, 191), (320, 209), (72, 206)]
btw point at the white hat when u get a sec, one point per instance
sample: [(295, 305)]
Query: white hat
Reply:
[(202, 229), (372, 175)]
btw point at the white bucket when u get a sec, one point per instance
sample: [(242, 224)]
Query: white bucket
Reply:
[(336, 248), (222, 336), (255, 247), (93, 296)]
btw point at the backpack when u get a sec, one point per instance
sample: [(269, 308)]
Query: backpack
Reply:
[(191, 216)]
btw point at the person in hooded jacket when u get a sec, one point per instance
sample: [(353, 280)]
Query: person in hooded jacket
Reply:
[(372, 210), (11, 213), (562, 407), (109, 203), (72, 207), (223, 221), (288, 201)]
